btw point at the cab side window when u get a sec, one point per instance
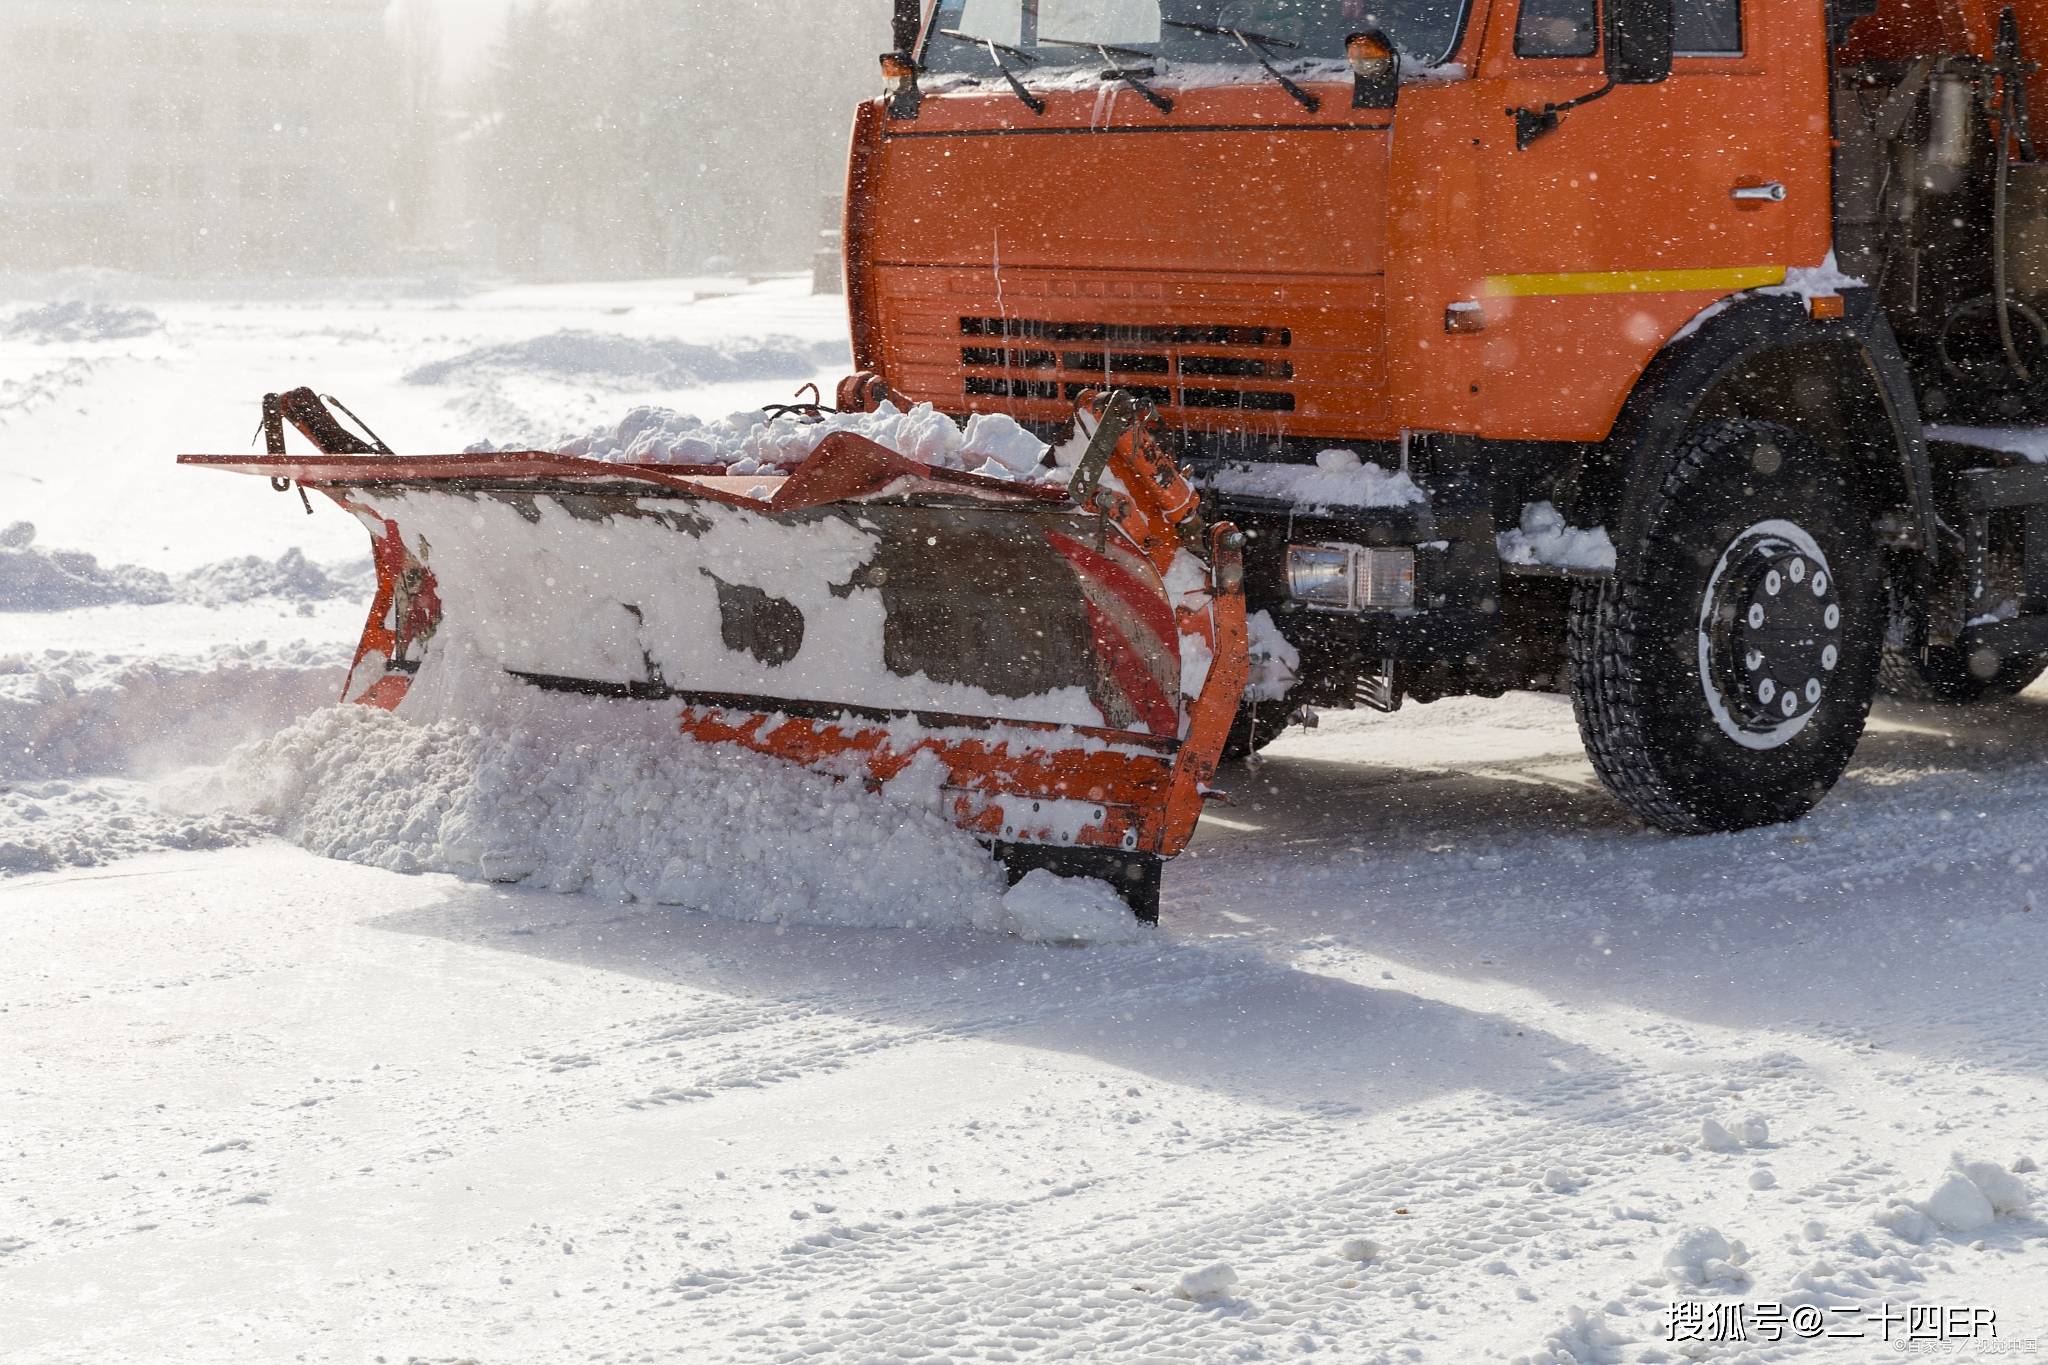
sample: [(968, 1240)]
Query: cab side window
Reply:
[(1709, 28), (1559, 28)]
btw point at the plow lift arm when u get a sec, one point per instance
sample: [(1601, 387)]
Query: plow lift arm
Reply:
[(1066, 661)]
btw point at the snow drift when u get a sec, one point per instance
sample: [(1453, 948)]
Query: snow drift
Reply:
[(602, 357), (73, 320), (45, 826), (33, 578), (574, 795), (73, 714)]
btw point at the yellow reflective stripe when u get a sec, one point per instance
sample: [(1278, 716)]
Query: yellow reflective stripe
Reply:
[(1633, 282)]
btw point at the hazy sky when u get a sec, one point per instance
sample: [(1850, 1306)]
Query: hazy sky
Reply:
[(469, 27)]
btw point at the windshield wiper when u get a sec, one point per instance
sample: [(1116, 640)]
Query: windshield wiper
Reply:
[(995, 51), (1123, 73), (1257, 44)]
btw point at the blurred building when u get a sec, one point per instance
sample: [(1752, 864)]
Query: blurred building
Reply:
[(195, 136)]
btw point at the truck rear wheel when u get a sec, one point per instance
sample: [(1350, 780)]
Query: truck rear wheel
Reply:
[(1722, 677), (1947, 675)]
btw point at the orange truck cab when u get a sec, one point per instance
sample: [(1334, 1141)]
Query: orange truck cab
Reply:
[(1583, 345)]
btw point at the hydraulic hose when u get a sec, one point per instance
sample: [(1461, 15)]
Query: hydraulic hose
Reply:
[(1998, 262), (2011, 114)]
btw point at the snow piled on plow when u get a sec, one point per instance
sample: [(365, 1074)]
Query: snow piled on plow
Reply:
[(606, 798), (746, 442)]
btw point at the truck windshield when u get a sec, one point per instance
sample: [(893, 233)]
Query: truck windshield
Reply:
[(1424, 31)]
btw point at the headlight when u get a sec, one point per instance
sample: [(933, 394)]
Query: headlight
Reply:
[(1350, 577)]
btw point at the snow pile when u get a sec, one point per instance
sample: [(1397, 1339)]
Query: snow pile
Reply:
[(45, 826), (1543, 538), (572, 795), (290, 577), (1970, 1196), (65, 713), (601, 357), (1207, 1284), (74, 320), (992, 443), (1051, 909), (1338, 478), (33, 579), (36, 579), (1585, 1339), (1702, 1258), (1747, 1132)]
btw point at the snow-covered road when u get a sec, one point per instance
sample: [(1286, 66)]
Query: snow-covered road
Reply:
[(1443, 1057)]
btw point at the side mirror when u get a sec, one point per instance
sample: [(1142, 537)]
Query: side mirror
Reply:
[(1638, 40), (1375, 70), (899, 85)]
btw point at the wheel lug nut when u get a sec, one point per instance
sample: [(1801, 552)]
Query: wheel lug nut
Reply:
[(1829, 657), (1766, 690), (1753, 660), (1820, 584), (1813, 690), (1773, 583), (1790, 704), (1796, 570), (1833, 616), (1756, 615)]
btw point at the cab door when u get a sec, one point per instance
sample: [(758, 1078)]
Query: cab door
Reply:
[(1607, 234)]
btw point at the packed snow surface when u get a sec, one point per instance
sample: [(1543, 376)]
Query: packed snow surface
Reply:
[(1338, 478), (1424, 1049)]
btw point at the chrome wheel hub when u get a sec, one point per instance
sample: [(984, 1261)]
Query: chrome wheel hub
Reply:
[(1770, 635)]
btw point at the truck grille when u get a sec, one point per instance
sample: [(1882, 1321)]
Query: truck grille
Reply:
[(1234, 367)]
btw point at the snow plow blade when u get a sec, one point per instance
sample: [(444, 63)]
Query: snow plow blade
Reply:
[(858, 614)]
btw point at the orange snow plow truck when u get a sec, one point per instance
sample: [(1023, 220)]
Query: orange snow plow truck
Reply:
[(1469, 345)]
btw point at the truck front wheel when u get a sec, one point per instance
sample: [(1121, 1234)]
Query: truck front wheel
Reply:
[(1721, 678), (1258, 724)]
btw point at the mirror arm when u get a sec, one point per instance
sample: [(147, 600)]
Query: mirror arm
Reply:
[(1531, 124), (906, 23)]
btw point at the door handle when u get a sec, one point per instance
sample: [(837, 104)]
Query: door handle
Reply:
[(1770, 192)]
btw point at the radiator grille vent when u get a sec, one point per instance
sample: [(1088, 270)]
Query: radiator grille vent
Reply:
[(1172, 365)]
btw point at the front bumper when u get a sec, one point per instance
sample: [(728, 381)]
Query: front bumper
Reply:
[(1457, 580)]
